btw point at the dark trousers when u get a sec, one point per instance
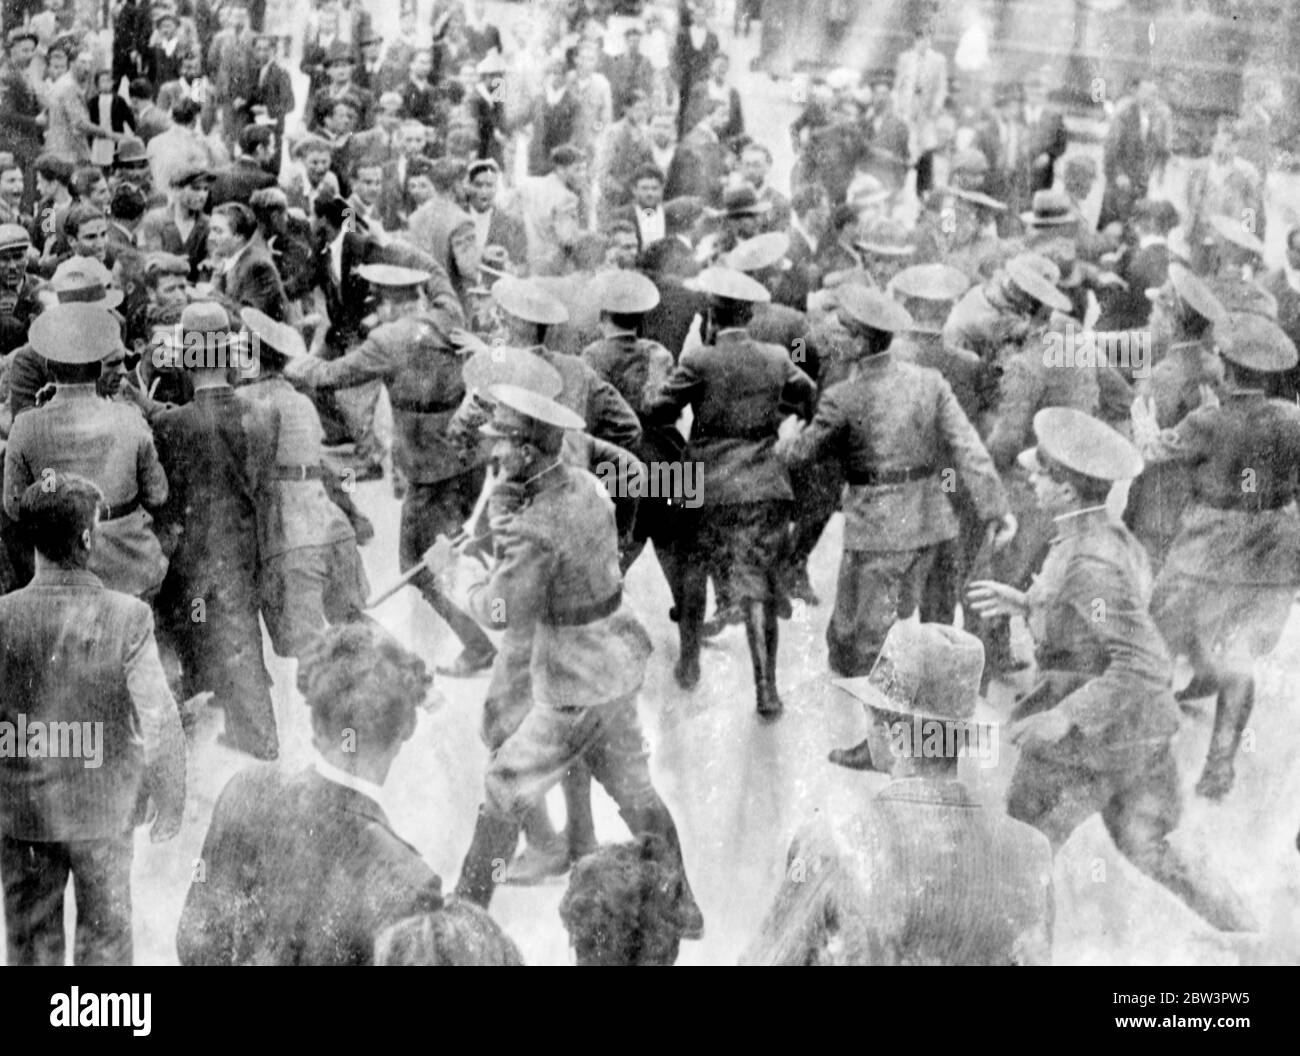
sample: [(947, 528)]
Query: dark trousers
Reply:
[(924, 172), (35, 876)]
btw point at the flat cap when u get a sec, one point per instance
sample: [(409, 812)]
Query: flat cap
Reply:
[(14, 236), (625, 292), (931, 282), (280, 338), (872, 308), (1082, 444), (759, 253), (507, 365), (392, 276), (519, 411), (526, 300), (75, 333), (729, 285), (1252, 341)]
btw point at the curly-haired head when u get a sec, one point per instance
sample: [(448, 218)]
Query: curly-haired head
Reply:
[(621, 905), (358, 677), (460, 934)]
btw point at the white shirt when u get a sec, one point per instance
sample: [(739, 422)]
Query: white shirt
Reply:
[(336, 258), (808, 235), (228, 265), (330, 772), (482, 221), (651, 224), (699, 34)]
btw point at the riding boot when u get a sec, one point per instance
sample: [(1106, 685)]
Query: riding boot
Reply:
[(490, 851), (771, 643), (579, 826), (1232, 711), (756, 635), (690, 609)]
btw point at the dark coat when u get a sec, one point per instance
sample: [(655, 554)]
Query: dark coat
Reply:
[(237, 181), (300, 871), (254, 283)]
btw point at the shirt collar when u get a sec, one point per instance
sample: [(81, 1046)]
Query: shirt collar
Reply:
[(330, 772), (1080, 522), (1151, 240), (928, 790), (229, 265), (75, 391), (51, 575)]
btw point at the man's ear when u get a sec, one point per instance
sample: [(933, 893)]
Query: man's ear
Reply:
[(87, 539)]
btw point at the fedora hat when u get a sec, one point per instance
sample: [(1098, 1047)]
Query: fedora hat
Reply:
[(740, 201), (930, 670), (1050, 209), (886, 238), (84, 280)]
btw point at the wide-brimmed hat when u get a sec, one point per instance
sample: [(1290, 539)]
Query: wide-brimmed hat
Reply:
[(1193, 292), (281, 338), (759, 253), (518, 413), (727, 284), (978, 198), (525, 299), (507, 365), (1242, 295), (131, 151), (1252, 341), (84, 280), (75, 333), (1082, 444), (886, 238), (930, 670), (624, 292), (1237, 234), (872, 308), (741, 201), (1030, 280), (1050, 209)]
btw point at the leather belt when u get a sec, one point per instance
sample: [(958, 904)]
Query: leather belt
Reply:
[(587, 613), (416, 407), (875, 478), (297, 473), (114, 513)]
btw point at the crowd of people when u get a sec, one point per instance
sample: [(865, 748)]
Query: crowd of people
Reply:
[(557, 250)]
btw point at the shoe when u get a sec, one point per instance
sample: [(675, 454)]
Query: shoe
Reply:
[(761, 636), (769, 703), (468, 664), (686, 672), (535, 865), (856, 758)]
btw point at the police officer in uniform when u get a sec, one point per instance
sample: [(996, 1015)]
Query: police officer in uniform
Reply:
[(310, 573), (556, 573), (1227, 586), (739, 391), (904, 442), (411, 353), (1185, 316), (1095, 732)]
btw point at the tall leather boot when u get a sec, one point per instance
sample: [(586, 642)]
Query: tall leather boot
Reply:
[(579, 826), (694, 587), (490, 851), (1232, 710), (771, 643), (545, 853), (756, 634)]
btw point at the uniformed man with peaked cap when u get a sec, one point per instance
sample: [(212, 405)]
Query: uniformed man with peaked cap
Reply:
[(411, 351), (556, 573), (1185, 319), (79, 432), (1227, 586), (904, 442), (1095, 732), (739, 391), (309, 570)]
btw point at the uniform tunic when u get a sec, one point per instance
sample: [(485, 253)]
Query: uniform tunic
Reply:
[(109, 444)]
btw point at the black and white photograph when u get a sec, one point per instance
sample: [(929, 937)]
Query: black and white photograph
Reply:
[(651, 482)]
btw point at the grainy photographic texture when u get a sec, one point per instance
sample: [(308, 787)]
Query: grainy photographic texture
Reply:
[(616, 482)]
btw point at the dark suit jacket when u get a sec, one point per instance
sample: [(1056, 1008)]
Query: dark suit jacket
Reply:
[(120, 118), (75, 652), (699, 168), (237, 181), (1142, 269), (254, 283), (625, 72), (345, 300), (696, 109), (803, 276), (275, 93), (507, 229), (670, 320), (300, 871)]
